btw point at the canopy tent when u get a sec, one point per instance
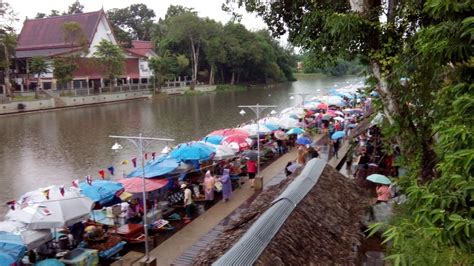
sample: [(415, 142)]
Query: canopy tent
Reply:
[(160, 166), (193, 151), (104, 192), (135, 184)]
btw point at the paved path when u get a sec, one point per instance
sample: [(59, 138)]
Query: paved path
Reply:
[(172, 248)]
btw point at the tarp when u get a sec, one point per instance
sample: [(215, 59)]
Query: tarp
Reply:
[(160, 166), (11, 253), (101, 191)]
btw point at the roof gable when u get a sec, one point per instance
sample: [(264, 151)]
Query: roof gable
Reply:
[(47, 33)]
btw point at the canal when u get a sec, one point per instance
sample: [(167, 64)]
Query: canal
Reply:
[(56, 147)]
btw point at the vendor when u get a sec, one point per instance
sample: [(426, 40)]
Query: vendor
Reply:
[(134, 212)]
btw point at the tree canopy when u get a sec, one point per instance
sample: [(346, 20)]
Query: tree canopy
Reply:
[(112, 60), (132, 23)]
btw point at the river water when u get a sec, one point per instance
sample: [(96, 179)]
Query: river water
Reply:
[(56, 147)]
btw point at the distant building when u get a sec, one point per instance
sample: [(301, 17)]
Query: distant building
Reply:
[(45, 37)]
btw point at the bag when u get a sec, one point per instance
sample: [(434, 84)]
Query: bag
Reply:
[(218, 186)]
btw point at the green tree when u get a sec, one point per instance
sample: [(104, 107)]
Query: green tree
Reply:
[(75, 8), (187, 29), (8, 42), (213, 47), (132, 23), (112, 60), (40, 15), (38, 66), (54, 13), (167, 67), (177, 10)]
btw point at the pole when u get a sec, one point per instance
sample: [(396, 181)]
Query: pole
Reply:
[(140, 147), (145, 218)]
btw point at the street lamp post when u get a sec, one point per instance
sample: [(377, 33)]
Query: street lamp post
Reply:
[(138, 142), (257, 109), (302, 94)]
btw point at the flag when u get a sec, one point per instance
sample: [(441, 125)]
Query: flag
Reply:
[(134, 161), (111, 170), (46, 193), (61, 190), (102, 174), (153, 154), (89, 179), (75, 183), (11, 204), (146, 156), (125, 162)]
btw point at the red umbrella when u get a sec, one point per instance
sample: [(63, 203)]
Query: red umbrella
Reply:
[(237, 142), (229, 132), (135, 184)]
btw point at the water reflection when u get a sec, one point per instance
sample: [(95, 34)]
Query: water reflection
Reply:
[(41, 149)]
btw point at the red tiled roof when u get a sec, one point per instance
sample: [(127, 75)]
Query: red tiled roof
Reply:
[(88, 68), (47, 33), (141, 48)]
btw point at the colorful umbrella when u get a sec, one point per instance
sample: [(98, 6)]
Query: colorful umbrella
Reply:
[(272, 126), (135, 184), (322, 106), (287, 122), (11, 253), (338, 135), (237, 142), (303, 141), (295, 130), (160, 166), (327, 117), (58, 210), (213, 139), (379, 179), (193, 151), (340, 119), (101, 191), (252, 129), (279, 134), (229, 132)]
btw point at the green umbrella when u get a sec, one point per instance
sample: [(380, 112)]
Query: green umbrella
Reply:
[(327, 117), (379, 179)]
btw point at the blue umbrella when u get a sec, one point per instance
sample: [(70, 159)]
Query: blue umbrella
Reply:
[(158, 167), (338, 135), (303, 141), (11, 253), (295, 130), (272, 126), (101, 191), (214, 139), (50, 262), (193, 151), (379, 179)]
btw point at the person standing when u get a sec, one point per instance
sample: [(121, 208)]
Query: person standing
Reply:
[(209, 183), (226, 185), (188, 203), (383, 193), (251, 171), (336, 144)]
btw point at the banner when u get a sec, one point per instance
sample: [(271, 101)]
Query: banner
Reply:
[(102, 174), (111, 170), (11, 204), (134, 161)]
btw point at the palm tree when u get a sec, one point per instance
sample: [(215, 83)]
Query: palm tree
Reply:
[(38, 66), (8, 41)]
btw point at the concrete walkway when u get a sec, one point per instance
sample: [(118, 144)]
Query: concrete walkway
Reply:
[(172, 248)]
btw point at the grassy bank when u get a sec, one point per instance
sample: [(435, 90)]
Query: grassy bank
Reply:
[(227, 87)]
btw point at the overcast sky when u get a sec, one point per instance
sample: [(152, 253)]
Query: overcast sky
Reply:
[(205, 8)]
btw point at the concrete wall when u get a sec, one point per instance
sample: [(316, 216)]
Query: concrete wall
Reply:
[(29, 106), (104, 98)]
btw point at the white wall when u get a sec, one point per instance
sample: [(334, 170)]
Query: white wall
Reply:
[(103, 32), (104, 98), (145, 71)]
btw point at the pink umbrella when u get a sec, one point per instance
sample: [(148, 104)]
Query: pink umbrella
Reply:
[(322, 106), (237, 142), (229, 132), (135, 184), (280, 135)]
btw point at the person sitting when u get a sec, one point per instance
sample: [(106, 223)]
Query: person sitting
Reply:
[(134, 212)]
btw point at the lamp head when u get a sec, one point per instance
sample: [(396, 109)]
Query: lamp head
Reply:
[(117, 146), (273, 112), (242, 112), (165, 150), (292, 97)]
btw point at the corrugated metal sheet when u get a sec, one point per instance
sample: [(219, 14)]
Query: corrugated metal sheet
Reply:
[(249, 247)]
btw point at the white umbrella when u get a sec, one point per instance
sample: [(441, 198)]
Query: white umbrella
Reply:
[(338, 118), (287, 122), (270, 120), (339, 113), (37, 212), (223, 152), (252, 129), (17, 233), (333, 100)]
